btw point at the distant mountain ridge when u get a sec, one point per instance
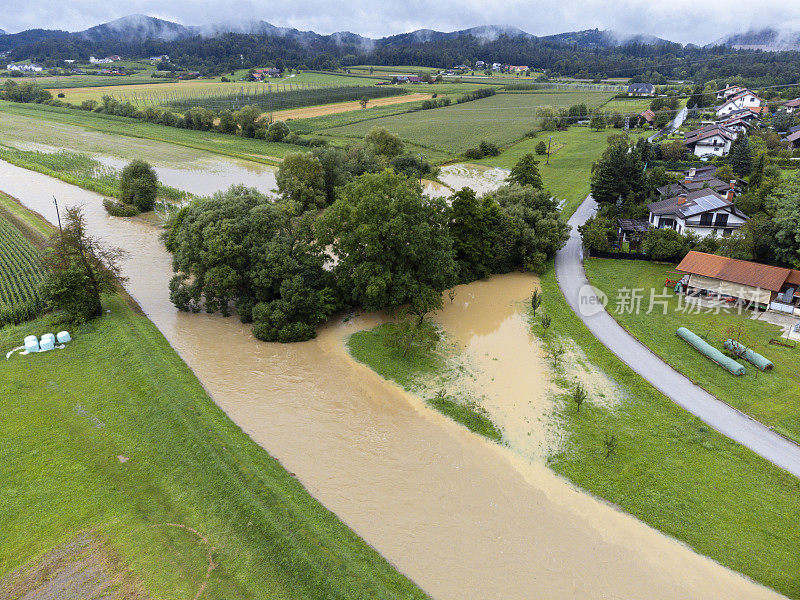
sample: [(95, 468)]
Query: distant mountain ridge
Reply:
[(138, 28), (769, 39)]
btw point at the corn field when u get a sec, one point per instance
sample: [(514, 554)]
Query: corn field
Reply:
[(21, 272)]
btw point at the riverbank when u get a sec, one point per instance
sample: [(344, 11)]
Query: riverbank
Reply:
[(462, 517)]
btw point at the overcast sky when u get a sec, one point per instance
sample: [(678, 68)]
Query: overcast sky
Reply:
[(678, 20)]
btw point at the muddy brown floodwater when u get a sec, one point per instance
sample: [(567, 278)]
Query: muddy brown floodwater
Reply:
[(462, 517)]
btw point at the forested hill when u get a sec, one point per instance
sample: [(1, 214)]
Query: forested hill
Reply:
[(587, 54)]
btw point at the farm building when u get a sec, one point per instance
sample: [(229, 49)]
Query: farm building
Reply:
[(770, 287)]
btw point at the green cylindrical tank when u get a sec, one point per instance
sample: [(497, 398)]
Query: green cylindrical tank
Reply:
[(752, 357), (709, 351)]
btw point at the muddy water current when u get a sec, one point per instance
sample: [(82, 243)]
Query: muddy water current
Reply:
[(462, 517)]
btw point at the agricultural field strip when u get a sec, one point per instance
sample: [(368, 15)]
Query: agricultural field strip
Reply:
[(21, 269)]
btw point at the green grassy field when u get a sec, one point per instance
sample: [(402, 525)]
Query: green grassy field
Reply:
[(501, 119), (317, 124), (669, 470), (572, 155), (27, 115), (770, 397)]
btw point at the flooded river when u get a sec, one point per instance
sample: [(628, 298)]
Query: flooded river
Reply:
[(463, 518)]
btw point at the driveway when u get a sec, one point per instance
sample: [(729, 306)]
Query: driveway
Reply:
[(722, 417), (673, 125)]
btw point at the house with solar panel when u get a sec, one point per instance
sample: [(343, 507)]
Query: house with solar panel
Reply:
[(703, 212)]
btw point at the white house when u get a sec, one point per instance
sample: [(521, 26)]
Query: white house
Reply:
[(739, 120), (714, 140), (31, 68), (100, 61), (641, 89), (703, 212), (744, 99), (792, 105), (729, 91), (496, 66)]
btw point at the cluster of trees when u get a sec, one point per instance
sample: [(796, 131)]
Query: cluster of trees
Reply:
[(24, 92), (346, 233)]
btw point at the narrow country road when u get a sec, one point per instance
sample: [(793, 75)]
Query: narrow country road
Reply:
[(727, 420), (673, 125)]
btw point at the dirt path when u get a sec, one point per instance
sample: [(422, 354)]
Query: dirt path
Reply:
[(340, 107)]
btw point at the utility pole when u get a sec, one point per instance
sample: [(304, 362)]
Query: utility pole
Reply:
[(548, 149), (58, 215)]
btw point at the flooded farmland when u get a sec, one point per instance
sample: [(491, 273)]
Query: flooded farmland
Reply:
[(462, 517)]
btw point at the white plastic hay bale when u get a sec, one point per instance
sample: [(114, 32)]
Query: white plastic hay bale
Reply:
[(30, 338), (31, 344), (63, 337), (48, 342)]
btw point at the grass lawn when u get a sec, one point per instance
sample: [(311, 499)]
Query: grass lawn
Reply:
[(501, 119), (26, 117), (771, 397), (572, 155), (671, 470)]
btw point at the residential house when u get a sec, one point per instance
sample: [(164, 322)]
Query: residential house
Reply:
[(648, 116), (697, 179), (793, 139), (703, 212), (408, 79), (712, 140), (461, 67), (497, 66), (769, 287), (744, 99), (160, 58), (641, 89), (729, 91), (100, 61), (28, 68), (518, 68), (113, 58), (792, 105), (479, 64), (739, 120)]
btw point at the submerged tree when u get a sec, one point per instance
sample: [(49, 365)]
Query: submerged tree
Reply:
[(81, 269), (139, 185)]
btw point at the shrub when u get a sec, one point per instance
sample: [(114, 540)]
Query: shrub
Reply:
[(139, 185), (119, 209), (666, 245), (541, 148)]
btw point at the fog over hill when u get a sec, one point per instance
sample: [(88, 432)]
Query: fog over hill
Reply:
[(769, 39)]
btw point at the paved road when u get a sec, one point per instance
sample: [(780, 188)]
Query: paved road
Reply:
[(674, 124), (725, 419)]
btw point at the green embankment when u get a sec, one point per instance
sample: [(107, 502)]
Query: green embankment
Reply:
[(772, 397), (115, 434), (414, 372)]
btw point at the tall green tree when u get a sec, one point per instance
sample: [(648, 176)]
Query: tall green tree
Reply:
[(381, 142), (469, 228), (598, 121), (740, 156), (80, 269), (301, 179), (391, 243), (526, 172), (618, 175), (532, 225)]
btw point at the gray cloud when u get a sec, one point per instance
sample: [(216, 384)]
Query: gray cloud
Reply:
[(678, 20)]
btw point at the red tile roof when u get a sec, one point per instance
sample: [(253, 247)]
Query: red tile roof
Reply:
[(743, 272)]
